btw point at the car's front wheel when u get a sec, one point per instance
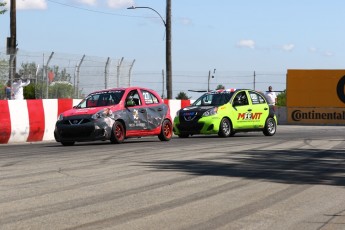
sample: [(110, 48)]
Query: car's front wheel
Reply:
[(166, 131), (270, 127), (117, 133), (224, 128)]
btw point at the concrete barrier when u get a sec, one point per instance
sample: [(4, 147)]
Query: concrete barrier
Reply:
[(34, 120)]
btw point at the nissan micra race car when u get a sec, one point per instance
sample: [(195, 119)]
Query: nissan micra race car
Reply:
[(115, 114), (226, 112)]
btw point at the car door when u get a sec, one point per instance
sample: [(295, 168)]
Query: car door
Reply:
[(156, 111), (241, 115), (136, 114), (259, 109)]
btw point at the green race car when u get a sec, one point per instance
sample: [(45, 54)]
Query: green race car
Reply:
[(226, 112)]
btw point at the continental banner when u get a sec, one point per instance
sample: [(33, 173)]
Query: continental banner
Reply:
[(315, 88), (317, 115)]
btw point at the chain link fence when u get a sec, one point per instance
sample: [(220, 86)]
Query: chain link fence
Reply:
[(60, 75)]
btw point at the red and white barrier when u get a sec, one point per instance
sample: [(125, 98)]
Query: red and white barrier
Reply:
[(34, 120)]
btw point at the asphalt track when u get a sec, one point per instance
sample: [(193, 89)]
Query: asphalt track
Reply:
[(293, 180)]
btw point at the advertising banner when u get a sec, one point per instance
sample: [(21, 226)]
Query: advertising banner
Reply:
[(320, 116), (315, 96)]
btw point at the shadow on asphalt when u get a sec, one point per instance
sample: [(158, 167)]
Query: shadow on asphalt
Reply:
[(307, 166)]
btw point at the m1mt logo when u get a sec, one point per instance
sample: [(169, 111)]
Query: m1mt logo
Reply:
[(249, 116)]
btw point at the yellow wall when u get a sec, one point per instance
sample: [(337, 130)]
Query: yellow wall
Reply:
[(314, 88)]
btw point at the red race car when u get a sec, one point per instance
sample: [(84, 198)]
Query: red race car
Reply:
[(115, 114)]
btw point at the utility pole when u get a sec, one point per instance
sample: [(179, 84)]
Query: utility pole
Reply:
[(168, 50), (254, 81), (209, 76), (12, 41)]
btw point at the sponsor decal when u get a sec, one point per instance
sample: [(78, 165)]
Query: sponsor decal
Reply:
[(249, 116), (189, 116), (137, 121), (299, 115), (135, 114)]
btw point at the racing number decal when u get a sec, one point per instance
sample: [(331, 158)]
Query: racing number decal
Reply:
[(249, 116), (340, 89)]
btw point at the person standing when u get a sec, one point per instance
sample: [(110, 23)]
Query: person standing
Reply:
[(271, 96), (17, 87), (8, 91)]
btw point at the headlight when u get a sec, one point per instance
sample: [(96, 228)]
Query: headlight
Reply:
[(102, 113), (60, 117), (210, 112)]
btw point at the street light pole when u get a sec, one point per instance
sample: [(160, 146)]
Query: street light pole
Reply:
[(12, 41), (167, 25), (168, 50)]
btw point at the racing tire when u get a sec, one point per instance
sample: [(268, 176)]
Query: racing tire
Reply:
[(225, 129), (67, 143), (270, 127), (117, 133), (166, 131), (183, 135)]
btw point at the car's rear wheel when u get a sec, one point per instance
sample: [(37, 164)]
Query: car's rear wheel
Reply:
[(117, 133), (224, 128), (166, 131), (270, 127), (67, 143)]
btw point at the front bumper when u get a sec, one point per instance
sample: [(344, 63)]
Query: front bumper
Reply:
[(88, 131), (202, 125)]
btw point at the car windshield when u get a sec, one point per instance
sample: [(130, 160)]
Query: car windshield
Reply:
[(213, 99), (104, 98)]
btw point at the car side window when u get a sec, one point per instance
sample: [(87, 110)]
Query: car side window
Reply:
[(257, 98), (133, 98), (149, 98), (92, 101), (240, 99)]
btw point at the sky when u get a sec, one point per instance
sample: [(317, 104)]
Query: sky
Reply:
[(231, 39)]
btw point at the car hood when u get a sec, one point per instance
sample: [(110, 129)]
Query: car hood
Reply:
[(198, 109), (88, 111)]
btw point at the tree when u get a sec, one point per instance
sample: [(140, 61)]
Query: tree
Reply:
[(28, 70), (29, 91), (4, 65), (182, 96), (281, 99), (60, 75), (2, 7), (60, 87), (61, 90)]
